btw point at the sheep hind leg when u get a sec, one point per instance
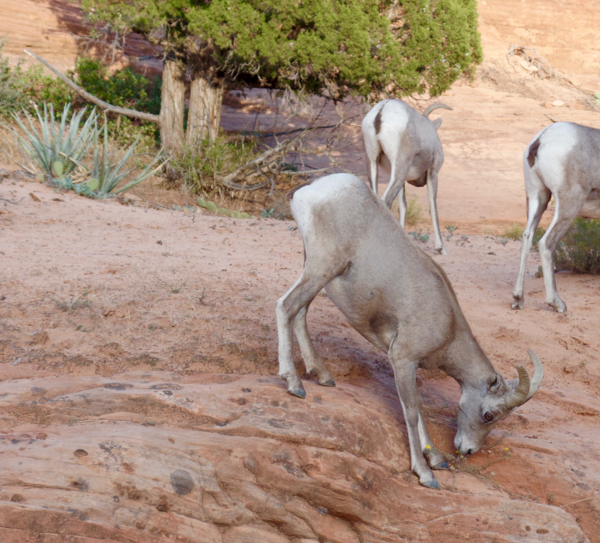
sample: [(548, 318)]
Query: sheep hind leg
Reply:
[(536, 205), (563, 218), (374, 156), (398, 174), (314, 365), (317, 273), (432, 184), (402, 207), (373, 169), (286, 310)]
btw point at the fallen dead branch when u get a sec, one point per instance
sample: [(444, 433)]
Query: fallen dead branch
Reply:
[(91, 98), (268, 163)]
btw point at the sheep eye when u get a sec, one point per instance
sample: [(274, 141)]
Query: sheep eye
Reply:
[(488, 416)]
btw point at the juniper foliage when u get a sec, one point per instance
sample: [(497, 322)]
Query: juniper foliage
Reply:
[(364, 47)]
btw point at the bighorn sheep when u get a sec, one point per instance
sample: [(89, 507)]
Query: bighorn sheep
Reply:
[(407, 146), (563, 160), (399, 299)]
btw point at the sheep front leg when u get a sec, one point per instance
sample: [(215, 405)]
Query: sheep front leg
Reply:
[(432, 184), (405, 372), (435, 459)]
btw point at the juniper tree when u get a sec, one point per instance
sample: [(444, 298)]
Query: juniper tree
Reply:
[(337, 47)]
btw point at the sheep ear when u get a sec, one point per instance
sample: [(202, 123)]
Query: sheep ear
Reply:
[(437, 123), (495, 383)]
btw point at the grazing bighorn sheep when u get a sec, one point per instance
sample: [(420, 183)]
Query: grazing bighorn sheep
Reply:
[(563, 160), (399, 299), (408, 147)]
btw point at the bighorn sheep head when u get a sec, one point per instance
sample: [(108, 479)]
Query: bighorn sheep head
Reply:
[(482, 407)]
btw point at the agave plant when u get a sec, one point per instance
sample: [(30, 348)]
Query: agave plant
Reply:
[(65, 142), (107, 173), (58, 148)]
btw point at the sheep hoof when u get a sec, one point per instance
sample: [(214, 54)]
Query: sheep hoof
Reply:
[(328, 383), (300, 393), (518, 303), (431, 484), (442, 465), (559, 307)]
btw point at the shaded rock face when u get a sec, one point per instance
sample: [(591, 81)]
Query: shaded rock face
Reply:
[(225, 459), (57, 30)]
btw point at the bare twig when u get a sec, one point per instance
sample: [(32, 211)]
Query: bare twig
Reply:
[(270, 160), (11, 202), (578, 501)]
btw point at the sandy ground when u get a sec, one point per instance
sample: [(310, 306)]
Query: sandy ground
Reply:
[(98, 288)]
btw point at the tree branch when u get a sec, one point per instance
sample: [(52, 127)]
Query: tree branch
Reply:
[(91, 98)]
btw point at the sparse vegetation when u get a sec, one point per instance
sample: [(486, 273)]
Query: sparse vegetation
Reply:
[(457, 462), (539, 234), (579, 249), (75, 303), (451, 229), (201, 170), (514, 231), (211, 206), (414, 210), (421, 236), (20, 88)]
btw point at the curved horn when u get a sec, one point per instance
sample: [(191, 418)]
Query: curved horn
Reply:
[(520, 395), (538, 373), (435, 106)]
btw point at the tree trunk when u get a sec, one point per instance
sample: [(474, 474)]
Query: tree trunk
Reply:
[(172, 107), (204, 116)]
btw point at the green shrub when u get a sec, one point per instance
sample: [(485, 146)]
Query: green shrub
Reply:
[(124, 88), (515, 231), (22, 88), (40, 87), (203, 168), (579, 249), (414, 210), (11, 95)]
